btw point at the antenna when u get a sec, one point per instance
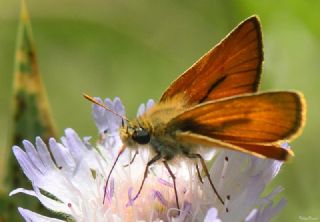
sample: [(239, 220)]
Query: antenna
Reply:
[(93, 100)]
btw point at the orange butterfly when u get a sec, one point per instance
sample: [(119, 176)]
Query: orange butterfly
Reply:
[(215, 104)]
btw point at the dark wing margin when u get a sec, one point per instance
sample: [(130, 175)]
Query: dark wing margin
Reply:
[(253, 118), (232, 67)]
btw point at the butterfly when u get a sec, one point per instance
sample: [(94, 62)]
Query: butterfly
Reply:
[(215, 103)]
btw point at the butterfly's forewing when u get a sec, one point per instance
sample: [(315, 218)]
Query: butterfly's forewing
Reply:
[(231, 68), (252, 118)]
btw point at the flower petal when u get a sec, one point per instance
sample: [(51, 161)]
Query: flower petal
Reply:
[(44, 154), (141, 109), (28, 168), (149, 104), (30, 216), (50, 203), (33, 154), (22, 190), (62, 156), (99, 116), (118, 108), (265, 213), (212, 216)]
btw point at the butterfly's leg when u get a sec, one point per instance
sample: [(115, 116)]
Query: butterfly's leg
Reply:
[(204, 166), (174, 182), (152, 161), (198, 172), (131, 161)]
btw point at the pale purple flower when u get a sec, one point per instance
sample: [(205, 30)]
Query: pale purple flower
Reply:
[(74, 172)]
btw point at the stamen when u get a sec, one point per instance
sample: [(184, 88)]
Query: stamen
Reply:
[(114, 164), (165, 182), (131, 200), (110, 191), (158, 195), (186, 208)]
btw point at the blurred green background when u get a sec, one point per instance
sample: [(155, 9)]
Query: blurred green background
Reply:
[(134, 49)]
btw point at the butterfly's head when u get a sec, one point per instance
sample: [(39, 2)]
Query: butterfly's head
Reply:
[(134, 134)]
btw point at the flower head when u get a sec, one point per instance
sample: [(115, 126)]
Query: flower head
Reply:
[(69, 176)]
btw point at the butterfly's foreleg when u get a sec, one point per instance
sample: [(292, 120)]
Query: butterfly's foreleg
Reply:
[(152, 161), (131, 161)]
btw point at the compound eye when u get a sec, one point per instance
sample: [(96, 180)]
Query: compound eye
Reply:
[(141, 136)]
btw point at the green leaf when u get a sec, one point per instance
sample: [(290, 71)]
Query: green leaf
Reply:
[(31, 117)]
